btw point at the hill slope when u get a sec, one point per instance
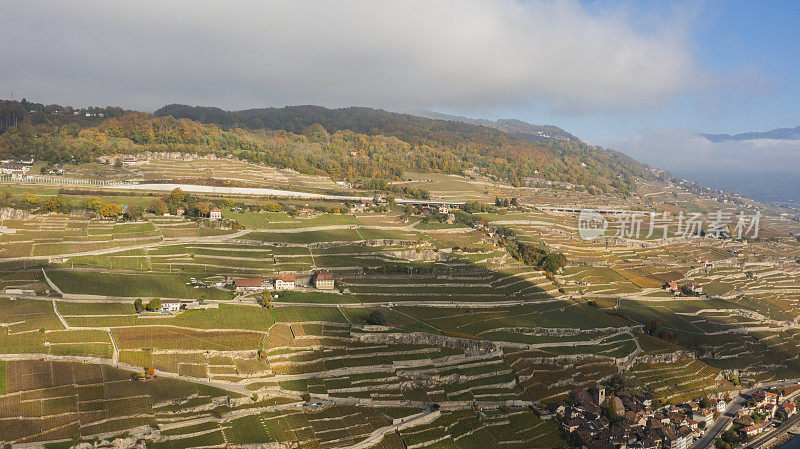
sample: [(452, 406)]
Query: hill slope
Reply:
[(492, 151), (350, 143)]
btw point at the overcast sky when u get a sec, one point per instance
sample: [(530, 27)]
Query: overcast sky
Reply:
[(611, 72)]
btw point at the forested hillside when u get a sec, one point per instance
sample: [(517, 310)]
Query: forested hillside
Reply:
[(349, 143), (497, 153)]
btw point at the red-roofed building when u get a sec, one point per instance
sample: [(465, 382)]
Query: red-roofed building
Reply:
[(250, 285), (323, 280), (696, 288), (285, 282), (673, 287), (764, 397), (755, 429), (789, 409)]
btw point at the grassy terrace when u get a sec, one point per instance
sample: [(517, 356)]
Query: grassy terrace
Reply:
[(116, 284)]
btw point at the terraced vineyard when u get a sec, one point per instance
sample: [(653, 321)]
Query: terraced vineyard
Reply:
[(471, 348)]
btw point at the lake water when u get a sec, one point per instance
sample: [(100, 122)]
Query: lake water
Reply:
[(760, 186), (794, 443)]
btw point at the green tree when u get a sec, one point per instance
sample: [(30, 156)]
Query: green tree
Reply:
[(154, 304), (137, 305), (554, 262), (176, 196), (265, 300), (377, 318)]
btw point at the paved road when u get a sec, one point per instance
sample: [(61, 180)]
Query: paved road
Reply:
[(719, 426)]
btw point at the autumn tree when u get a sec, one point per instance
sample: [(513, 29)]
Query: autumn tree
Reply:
[(133, 212), (158, 207)]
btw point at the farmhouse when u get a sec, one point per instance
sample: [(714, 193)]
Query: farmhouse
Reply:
[(696, 288), (180, 212), (215, 214), (307, 213), (250, 285), (673, 287), (10, 169), (170, 306), (284, 282), (323, 280)]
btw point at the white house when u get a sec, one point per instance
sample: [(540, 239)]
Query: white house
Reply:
[(285, 282), (170, 306), (215, 214), (323, 280)]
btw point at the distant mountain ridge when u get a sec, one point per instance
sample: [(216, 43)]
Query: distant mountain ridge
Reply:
[(778, 134), (517, 128)]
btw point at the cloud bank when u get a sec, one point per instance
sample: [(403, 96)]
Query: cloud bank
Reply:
[(467, 54), (682, 151)]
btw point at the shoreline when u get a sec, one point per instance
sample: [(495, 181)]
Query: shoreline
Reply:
[(779, 440)]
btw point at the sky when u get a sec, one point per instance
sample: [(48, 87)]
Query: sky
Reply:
[(642, 77)]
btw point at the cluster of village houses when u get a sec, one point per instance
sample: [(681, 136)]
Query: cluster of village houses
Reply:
[(635, 423), (676, 290), (767, 406), (638, 425), (16, 168)]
